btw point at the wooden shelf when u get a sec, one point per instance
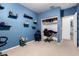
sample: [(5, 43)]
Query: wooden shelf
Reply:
[(26, 16), (5, 27), (33, 27), (11, 15), (50, 21), (35, 22), (1, 7), (26, 25)]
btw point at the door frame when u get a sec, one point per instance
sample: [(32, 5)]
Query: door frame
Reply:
[(75, 40), (62, 23)]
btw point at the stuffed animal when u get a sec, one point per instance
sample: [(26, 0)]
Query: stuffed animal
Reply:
[(22, 41)]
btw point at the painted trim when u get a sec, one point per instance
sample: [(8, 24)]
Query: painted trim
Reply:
[(76, 31), (62, 24), (73, 39), (9, 49), (69, 16), (14, 47)]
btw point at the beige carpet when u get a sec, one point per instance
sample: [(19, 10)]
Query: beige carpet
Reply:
[(66, 48)]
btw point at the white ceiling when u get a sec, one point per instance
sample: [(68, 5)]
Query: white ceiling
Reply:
[(41, 7)]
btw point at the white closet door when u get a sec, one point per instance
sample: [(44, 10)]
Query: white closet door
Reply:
[(75, 29), (66, 21)]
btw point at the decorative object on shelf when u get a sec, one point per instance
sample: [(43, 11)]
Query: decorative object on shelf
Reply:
[(3, 26), (11, 15), (22, 41), (55, 20), (35, 21), (26, 16), (33, 27), (1, 7), (49, 21), (26, 24)]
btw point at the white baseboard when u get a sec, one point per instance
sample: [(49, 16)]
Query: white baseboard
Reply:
[(9, 49), (13, 47)]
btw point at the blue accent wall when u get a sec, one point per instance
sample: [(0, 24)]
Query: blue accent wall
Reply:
[(68, 11), (17, 28), (51, 13)]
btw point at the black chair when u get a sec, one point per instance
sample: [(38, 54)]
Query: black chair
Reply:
[(49, 34), (37, 35), (3, 42)]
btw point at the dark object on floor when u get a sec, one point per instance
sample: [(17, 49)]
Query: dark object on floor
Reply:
[(22, 41), (26, 16), (3, 41), (11, 15), (3, 54), (37, 35), (3, 26)]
